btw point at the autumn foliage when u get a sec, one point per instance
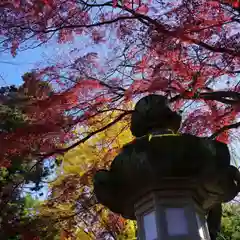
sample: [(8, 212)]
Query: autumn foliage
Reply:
[(72, 201), (187, 50)]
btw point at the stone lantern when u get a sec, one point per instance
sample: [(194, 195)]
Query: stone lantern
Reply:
[(166, 181)]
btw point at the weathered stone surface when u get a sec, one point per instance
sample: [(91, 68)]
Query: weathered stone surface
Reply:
[(144, 165)]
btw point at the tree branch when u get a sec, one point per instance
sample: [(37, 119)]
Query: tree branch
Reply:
[(223, 129), (222, 95), (227, 97), (97, 24), (63, 150), (177, 34)]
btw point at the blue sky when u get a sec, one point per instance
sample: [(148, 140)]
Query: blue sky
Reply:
[(11, 69)]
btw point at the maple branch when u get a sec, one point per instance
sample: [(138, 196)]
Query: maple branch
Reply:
[(49, 30), (112, 88), (227, 97), (223, 129), (63, 150), (178, 34)]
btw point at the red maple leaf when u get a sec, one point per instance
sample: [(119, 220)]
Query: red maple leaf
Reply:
[(143, 9)]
